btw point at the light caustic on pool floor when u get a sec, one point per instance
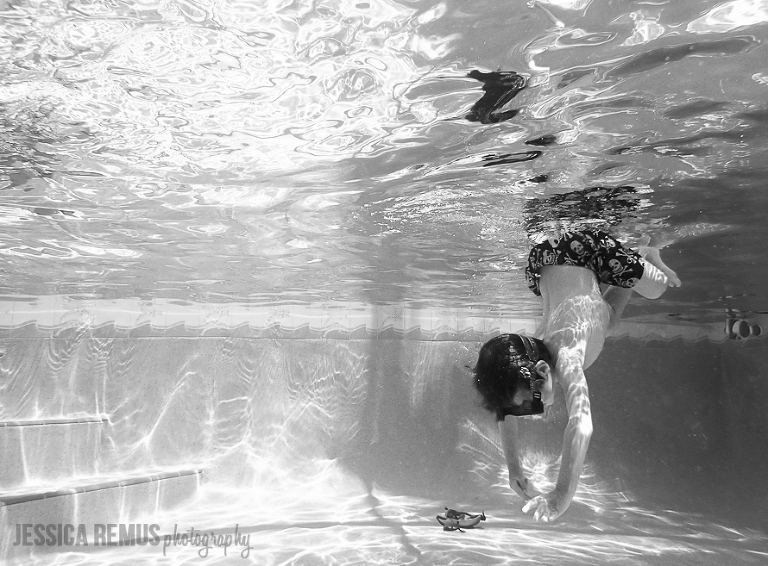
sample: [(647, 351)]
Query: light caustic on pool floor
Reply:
[(315, 511)]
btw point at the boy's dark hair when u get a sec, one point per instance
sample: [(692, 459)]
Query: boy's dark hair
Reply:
[(497, 373)]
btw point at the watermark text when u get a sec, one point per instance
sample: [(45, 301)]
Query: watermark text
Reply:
[(131, 534)]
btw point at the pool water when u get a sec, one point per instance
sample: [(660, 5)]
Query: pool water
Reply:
[(219, 156), (274, 151), (343, 451)]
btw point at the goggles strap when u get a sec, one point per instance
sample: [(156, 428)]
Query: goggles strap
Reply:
[(526, 361), (531, 349)]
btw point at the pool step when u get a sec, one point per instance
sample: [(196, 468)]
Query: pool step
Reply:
[(35, 451), (90, 501)]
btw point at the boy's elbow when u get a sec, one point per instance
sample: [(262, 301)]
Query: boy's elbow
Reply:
[(582, 425), (585, 427)]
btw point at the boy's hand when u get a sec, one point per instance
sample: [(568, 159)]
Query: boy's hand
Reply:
[(546, 508), (521, 486)]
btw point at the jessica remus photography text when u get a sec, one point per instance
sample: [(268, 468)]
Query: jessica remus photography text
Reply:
[(131, 534)]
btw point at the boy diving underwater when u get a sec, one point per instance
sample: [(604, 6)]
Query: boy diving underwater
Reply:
[(515, 374)]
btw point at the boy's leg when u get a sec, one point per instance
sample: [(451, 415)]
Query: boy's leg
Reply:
[(657, 276), (617, 298), (653, 257)]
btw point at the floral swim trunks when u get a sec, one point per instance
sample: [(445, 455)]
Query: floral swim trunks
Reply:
[(596, 250)]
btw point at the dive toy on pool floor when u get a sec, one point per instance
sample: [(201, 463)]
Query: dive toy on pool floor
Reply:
[(454, 520)]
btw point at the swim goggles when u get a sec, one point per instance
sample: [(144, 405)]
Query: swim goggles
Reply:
[(535, 406)]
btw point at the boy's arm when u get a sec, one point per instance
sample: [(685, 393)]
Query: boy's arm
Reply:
[(509, 442), (578, 432)]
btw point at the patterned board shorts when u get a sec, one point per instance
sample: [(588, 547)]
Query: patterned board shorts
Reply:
[(596, 250)]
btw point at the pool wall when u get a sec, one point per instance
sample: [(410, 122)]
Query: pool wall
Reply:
[(107, 397)]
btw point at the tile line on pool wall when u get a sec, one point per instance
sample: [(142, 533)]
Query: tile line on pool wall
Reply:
[(332, 320)]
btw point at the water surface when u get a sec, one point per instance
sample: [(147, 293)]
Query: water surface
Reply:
[(222, 151)]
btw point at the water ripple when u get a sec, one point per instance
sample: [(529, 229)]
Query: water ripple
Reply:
[(177, 132)]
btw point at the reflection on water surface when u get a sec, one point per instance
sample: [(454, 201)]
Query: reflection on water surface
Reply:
[(357, 150)]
